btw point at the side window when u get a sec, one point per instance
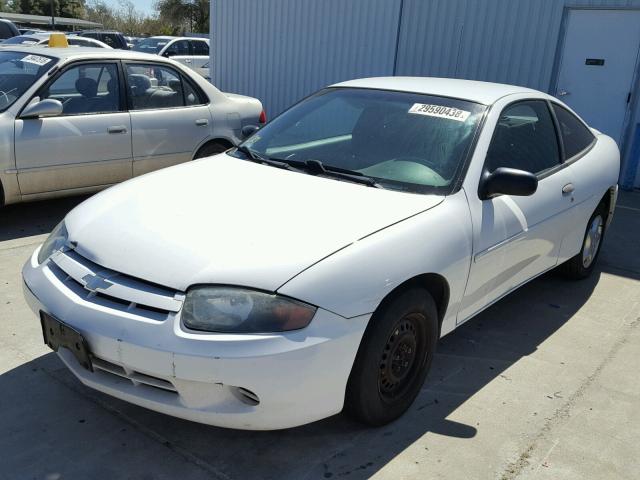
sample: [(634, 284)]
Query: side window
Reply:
[(152, 86), (575, 136), (200, 47), (84, 89), (191, 95), (110, 40), (179, 47), (525, 138)]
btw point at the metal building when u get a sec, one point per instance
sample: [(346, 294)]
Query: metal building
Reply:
[(586, 52)]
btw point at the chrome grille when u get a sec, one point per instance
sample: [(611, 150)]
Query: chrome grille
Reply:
[(102, 286)]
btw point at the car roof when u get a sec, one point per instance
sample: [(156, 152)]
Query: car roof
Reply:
[(486, 93), (79, 53)]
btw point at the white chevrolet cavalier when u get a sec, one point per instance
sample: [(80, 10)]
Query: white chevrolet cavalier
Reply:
[(315, 267)]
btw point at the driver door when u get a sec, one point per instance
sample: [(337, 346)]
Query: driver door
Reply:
[(89, 145), (518, 237)]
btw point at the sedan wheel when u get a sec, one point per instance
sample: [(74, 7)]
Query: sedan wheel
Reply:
[(592, 241), (581, 265), (394, 357)]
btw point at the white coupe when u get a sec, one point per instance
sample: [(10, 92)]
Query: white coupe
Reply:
[(315, 267)]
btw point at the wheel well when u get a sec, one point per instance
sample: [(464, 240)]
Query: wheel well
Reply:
[(434, 283), (2, 199), (220, 141)]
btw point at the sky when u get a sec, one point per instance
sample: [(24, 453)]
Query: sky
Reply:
[(145, 6)]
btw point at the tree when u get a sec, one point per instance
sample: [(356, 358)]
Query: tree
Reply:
[(62, 8), (185, 15)]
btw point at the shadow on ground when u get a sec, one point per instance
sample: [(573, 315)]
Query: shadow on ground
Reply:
[(36, 416), (34, 218)]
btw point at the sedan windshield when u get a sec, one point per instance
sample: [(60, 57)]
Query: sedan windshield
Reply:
[(150, 45), (18, 71), (403, 141)]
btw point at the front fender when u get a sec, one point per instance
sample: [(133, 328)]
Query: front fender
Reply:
[(354, 280)]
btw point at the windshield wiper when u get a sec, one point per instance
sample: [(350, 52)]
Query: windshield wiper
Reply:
[(316, 167), (254, 157)]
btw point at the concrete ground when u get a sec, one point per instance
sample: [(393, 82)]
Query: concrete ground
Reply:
[(542, 385)]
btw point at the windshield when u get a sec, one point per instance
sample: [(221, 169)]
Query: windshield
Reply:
[(404, 141), (18, 71), (150, 45), (21, 40)]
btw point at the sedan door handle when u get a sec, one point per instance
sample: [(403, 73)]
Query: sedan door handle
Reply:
[(117, 129), (203, 122), (568, 188)]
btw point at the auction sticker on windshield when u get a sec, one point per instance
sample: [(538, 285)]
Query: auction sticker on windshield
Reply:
[(36, 59), (439, 111)]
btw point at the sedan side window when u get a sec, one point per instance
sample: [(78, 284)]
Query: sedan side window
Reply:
[(575, 136), (179, 47), (525, 139), (200, 47), (86, 89), (152, 86)]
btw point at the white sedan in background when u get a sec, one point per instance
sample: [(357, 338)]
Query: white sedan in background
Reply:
[(42, 39), (315, 267), (75, 120)]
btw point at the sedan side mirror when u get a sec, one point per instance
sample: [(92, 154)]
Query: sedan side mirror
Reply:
[(249, 130), (48, 107), (508, 181), (168, 53)]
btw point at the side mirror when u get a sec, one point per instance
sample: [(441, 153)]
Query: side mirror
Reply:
[(249, 130), (508, 181), (48, 107), (168, 54)]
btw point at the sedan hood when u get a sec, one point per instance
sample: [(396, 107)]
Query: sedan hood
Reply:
[(228, 221)]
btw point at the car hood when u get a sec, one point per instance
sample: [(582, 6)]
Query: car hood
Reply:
[(229, 221)]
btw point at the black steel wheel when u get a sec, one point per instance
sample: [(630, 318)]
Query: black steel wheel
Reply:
[(394, 357)]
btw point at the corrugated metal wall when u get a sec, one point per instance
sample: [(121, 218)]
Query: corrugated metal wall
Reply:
[(282, 50), (509, 41)]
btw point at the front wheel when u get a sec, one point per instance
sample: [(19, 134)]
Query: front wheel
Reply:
[(581, 265), (393, 359)]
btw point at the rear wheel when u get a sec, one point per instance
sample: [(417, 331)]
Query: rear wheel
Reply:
[(581, 265), (212, 148), (393, 359)]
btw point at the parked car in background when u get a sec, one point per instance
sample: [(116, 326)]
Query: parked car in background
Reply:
[(111, 38), (76, 120), (29, 31), (191, 51), (315, 266), (42, 39), (8, 29), (131, 41)]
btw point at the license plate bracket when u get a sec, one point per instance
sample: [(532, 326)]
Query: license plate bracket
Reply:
[(58, 334)]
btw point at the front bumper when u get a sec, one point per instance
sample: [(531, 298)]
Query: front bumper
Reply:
[(299, 377)]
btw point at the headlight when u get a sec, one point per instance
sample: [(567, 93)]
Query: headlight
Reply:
[(237, 310), (54, 242)]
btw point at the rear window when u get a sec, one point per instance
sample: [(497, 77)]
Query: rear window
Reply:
[(575, 136)]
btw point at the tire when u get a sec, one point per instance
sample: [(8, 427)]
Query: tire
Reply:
[(211, 148), (379, 390), (581, 265)]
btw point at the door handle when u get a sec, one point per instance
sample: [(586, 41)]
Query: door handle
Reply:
[(568, 188), (117, 129), (203, 122), (562, 93)]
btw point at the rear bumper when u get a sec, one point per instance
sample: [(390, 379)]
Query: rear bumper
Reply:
[(299, 377)]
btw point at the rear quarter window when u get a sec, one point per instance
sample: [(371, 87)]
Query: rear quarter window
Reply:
[(575, 136)]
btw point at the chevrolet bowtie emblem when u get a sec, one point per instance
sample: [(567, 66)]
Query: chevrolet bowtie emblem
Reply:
[(95, 282)]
